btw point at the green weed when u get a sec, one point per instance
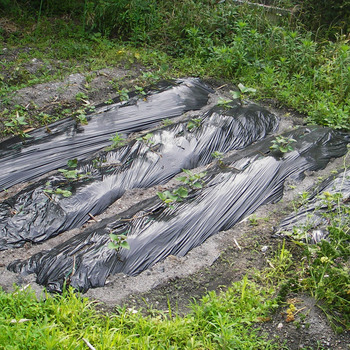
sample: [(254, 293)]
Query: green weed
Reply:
[(118, 242), (193, 180), (282, 144)]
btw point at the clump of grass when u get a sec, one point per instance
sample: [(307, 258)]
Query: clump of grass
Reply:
[(70, 321)]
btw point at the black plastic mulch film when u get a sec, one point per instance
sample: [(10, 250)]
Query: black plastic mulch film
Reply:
[(310, 218), (49, 148), (250, 178), (34, 216)]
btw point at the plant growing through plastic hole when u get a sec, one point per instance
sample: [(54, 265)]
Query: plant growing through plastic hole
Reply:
[(219, 156), (176, 195), (243, 92), (80, 117), (57, 191), (72, 174), (282, 144), (225, 103), (167, 122), (117, 140), (146, 139), (194, 181), (194, 123), (118, 241)]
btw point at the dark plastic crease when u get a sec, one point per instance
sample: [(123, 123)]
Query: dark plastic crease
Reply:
[(33, 216), (155, 231), (46, 151)]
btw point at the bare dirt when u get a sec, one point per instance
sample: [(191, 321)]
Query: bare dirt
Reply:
[(213, 266)]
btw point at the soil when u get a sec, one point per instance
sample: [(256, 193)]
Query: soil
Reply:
[(213, 266)]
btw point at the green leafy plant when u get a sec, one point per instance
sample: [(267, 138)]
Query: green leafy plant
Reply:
[(123, 94), (140, 91), (282, 144), (118, 242), (225, 103), (69, 174), (253, 220), (72, 173), (80, 117), (219, 156), (81, 96), (117, 141), (15, 125), (57, 191), (146, 139), (243, 92), (167, 122), (176, 195), (194, 123), (193, 180)]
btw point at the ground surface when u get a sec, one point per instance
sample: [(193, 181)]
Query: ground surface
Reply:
[(221, 260)]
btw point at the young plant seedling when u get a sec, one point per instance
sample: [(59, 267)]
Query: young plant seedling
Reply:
[(194, 123), (117, 141), (15, 123), (225, 103), (243, 92), (117, 242), (59, 191), (219, 156), (140, 91), (175, 196), (146, 139), (194, 181), (123, 94), (72, 174), (282, 144)]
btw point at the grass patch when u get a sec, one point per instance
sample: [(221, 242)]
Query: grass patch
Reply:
[(277, 57), (225, 321)]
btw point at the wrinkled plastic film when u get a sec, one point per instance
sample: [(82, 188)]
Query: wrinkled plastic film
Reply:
[(155, 231), (50, 147), (34, 215)]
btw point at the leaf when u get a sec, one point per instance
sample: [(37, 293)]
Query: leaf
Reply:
[(64, 193), (197, 185), (72, 163), (241, 87), (181, 178), (182, 192), (223, 102), (235, 94), (111, 245), (162, 196), (125, 245), (113, 236)]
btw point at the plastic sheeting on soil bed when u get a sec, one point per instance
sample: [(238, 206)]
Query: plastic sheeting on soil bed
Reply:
[(46, 151), (33, 216), (308, 222), (155, 231)]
